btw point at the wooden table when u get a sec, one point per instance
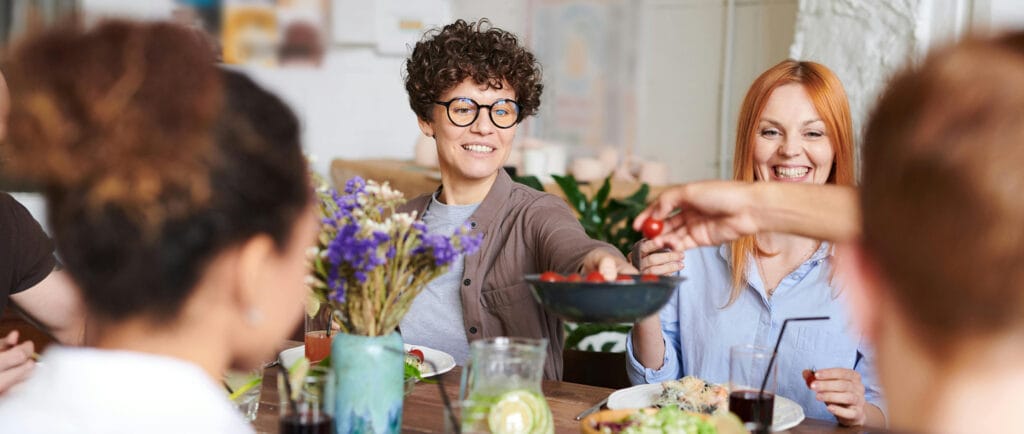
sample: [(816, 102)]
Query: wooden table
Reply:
[(423, 411)]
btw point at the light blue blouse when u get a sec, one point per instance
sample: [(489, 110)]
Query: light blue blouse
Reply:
[(698, 331)]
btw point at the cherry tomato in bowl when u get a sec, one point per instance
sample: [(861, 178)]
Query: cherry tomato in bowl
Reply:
[(417, 354), (594, 277), (551, 276)]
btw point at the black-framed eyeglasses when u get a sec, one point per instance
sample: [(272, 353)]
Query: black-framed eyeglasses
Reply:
[(504, 113)]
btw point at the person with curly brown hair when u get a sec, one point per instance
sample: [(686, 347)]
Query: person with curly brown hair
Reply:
[(181, 205), (470, 85)]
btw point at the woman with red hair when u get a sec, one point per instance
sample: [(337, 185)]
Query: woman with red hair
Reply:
[(794, 127)]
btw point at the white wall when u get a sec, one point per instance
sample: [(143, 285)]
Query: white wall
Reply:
[(355, 105), (682, 120), (866, 41), (862, 41), (997, 15)]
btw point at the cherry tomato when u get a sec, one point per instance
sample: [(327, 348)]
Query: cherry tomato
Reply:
[(595, 277), (551, 276), (416, 353), (574, 277), (652, 228), (649, 278), (624, 278), (808, 377)]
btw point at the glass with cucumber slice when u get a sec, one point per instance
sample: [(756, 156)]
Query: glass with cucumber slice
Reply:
[(517, 411)]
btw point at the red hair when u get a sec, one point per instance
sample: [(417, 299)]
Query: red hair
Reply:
[(829, 100)]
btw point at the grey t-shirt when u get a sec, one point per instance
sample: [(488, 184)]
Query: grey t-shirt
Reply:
[(435, 318)]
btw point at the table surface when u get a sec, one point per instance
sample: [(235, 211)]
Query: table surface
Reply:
[(423, 408)]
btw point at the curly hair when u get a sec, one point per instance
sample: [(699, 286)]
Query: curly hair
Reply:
[(446, 57), (153, 160)]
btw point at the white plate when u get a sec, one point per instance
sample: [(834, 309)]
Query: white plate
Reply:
[(786, 414), (443, 361)]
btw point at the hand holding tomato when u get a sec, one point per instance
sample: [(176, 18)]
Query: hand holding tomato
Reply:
[(703, 213), (842, 392)]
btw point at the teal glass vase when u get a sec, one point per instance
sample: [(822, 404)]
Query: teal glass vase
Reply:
[(369, 374)]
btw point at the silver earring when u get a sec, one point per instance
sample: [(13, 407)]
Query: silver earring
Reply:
[(253, 316)]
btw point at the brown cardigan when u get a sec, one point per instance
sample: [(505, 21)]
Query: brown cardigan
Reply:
[(524, 231)]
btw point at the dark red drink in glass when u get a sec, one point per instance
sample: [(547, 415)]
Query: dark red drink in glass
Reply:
[(746, 405), (307, 424)]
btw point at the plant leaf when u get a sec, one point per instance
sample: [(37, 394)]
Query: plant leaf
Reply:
[(572, 192), (602, 194), (640, 196)]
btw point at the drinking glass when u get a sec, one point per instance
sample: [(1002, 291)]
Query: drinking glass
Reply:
[(319, 333), (747, 367), (311, 407), (472, 419), (244, 390)]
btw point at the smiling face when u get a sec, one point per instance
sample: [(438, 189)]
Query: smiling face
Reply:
[(474, 153), (790, 141)]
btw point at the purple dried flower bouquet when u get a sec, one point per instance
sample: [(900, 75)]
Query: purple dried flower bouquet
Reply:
[(371, 261)]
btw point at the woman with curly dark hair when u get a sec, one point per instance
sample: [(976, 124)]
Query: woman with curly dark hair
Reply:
[(470, 85), (180, 204)]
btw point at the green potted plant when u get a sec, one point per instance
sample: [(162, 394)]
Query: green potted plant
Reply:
[(607, 219)]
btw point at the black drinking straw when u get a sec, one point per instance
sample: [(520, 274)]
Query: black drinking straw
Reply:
[(444, 400), (444, 396), (775, 352)]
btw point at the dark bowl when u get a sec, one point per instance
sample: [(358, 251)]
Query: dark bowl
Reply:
[(611, 302)]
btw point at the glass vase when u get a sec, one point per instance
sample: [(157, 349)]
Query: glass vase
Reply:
[(369, 374)]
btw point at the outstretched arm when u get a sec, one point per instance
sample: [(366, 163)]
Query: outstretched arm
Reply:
[(714, 212)]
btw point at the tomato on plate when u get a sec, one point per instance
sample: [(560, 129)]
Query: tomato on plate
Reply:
[(574, 277), (649, 278), (551, 276), (416, 353), (595, 277), (652, 227), (625, 278)]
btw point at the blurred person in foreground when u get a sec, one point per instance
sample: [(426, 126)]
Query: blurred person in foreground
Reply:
[(470, 86), (934, 252), (180, 202), (29, 279), (794, 128)]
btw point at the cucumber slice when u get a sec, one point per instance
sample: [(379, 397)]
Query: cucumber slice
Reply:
[(520, 412)]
